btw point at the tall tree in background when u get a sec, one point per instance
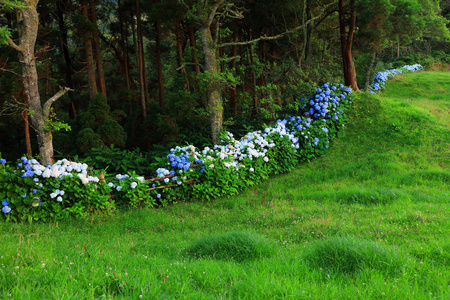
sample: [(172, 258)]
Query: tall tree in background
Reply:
[(97, 50), (141, 62), (89, 52), (28, 22), (347, 41)]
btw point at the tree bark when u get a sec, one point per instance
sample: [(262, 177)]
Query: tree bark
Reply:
[(373, 56), (255, 97), (141, 62), (123, 46), (89, 56), (179, 48), (209, 47), (346, 44), (98, 52), (233, 68), (159, 66), (194, 50), (28, 28)]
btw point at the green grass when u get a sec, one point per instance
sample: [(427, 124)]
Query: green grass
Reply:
[(379, 197)]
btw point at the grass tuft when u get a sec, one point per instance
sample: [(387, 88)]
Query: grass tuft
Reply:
[(239, 246), (349, 255)]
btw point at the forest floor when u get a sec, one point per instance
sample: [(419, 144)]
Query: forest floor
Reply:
[(368, 220)]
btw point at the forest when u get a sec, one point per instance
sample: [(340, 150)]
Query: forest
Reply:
[(107, 76)]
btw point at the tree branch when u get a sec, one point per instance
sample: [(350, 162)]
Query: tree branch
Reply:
[(49, 102), (6, 70), (14, 45), (13, 5), (274, 37), (212, 13)]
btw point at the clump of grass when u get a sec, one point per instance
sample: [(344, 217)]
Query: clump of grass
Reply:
[(349, 255), (238, 246)]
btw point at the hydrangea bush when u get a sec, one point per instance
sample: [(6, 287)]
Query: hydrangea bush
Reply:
[(35, 192), (379, 80), (30, 191)]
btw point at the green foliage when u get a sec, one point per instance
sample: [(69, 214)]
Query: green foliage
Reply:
[(52, 124), (283, 157), (5, 33), (131, 190), (87, 139), (97, 128), (349, 255), (239, 246), (115, 160), (47, 199)]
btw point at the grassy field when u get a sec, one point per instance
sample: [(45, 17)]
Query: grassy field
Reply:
[(368, 220)]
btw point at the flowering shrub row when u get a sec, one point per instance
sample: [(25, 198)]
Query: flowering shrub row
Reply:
[(380, 78), (31, 191)]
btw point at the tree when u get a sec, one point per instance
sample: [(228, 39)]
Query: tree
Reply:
[(205, 12), (346, 43), (40, 114)]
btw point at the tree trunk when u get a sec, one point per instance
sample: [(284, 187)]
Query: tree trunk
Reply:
[(98, 52), (159, 66), (196, 66), (89, 56), (28, 29), (255, 97), (194, 50), (141, 63), (346, 44), (179, 48), (373, 56), (233, 68), (307, 30), (123, 46), (213, 88)]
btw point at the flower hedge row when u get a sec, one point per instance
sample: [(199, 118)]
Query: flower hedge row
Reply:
[(30, 191), (379, 80)]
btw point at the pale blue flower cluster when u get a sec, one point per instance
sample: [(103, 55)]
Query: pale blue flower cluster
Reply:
[(6, 209), (379, 80), (121, 181), (61, 168), (58, 195)]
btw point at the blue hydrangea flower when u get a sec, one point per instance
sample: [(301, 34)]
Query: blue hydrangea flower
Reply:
[(6, 209), (3, 161), (5, 202)]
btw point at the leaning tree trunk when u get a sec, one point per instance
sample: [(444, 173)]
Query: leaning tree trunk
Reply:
[(28, 34), (346, 44), (28, 28)]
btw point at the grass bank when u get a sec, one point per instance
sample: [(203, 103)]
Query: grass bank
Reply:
[(370, 219)]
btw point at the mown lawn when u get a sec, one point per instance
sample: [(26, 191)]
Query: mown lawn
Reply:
[(368, 220)]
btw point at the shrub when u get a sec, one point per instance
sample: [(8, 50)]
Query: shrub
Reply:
[(348, 255), (222, 170), (32, 192), (379, 80), (237, 246)]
